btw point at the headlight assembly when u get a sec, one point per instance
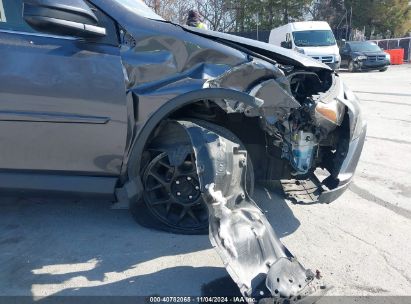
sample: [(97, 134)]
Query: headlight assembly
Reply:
[(332, 111), (337, 58), (388, 57)]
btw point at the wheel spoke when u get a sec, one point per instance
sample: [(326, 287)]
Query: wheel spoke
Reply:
[(159, 178), (191, 213), (168, 208), (163, 202), (193, 171), (159, 186), (164, 164), (182, 215)]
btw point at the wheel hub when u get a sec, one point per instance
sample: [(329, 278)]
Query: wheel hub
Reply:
[(173, 194), (185, 189)]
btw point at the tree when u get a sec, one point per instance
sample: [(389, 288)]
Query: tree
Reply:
[(392, 18), (271, 13), (219, 14), (382, 17), (172, 10), (331, 11)]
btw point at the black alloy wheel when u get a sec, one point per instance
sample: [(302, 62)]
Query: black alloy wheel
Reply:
[(172, 200), (172, 193)]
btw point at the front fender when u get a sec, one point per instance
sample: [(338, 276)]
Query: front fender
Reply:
[(131, 169)]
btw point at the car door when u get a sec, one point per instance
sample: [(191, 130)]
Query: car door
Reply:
[(62, 99)]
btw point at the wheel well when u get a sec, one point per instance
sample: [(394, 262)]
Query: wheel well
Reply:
[(247, 129)]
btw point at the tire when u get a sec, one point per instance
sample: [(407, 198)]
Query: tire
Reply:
[(165, 201), (384, 69), (351, 67)]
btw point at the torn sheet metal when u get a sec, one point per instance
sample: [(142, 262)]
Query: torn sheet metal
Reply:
[(252, 253)]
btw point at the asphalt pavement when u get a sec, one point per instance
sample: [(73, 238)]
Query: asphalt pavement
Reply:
[(361, 243)]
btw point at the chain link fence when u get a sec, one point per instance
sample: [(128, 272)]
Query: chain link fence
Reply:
[(385, 44), (396, 43)]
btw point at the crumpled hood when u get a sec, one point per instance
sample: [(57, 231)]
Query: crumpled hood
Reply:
[(132, 21), (276, 53)]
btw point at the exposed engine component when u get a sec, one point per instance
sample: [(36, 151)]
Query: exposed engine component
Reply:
[(298, 122), (300, 151)]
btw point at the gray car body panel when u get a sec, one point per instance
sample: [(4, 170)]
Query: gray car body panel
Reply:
[(94, 123), (62, 105)]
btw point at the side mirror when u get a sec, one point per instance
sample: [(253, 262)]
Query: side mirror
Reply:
[(286, 44), (62, 17)]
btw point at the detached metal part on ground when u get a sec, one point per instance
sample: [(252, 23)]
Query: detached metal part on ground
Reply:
[(254, 256)]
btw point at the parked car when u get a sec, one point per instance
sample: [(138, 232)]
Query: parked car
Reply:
[(104, 98), (363, 56), (312, 38)]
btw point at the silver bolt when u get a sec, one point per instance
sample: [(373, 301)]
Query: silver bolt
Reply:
[(190, 197), (177, 182), (188, 178), (197, 188), (178, 193)]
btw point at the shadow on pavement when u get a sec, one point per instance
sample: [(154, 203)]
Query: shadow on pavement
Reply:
[(68, 247)]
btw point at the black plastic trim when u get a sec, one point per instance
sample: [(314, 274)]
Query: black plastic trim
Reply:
[(50, 184)]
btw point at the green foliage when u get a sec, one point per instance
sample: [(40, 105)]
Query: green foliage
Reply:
[(381, 17), (269, 13), (332, 11), (387, 18)]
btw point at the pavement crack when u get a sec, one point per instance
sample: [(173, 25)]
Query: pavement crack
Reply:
[(396, 141), (365, 194), (401, 272), (388, 102), (381, 252), (382, 93)]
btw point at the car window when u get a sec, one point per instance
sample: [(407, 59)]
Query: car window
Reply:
[(365, 47), (11, 16), (314, 38), (11, 19)]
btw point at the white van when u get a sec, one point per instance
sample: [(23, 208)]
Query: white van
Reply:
[(312, 38)]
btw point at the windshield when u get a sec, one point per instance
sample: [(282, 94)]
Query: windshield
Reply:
[(140, 8), (314, 38), (364, 47)]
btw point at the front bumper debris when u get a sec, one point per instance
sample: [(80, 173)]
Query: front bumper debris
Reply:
[(252, 253), (311, 190), (370, 65)]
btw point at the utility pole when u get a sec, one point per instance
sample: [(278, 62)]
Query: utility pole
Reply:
[(258, 21), (351, 23)]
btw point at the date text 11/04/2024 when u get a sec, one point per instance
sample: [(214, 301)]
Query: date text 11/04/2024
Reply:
[(200, 299)]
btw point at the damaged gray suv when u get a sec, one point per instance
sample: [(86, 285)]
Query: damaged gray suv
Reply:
[(105, 98)]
